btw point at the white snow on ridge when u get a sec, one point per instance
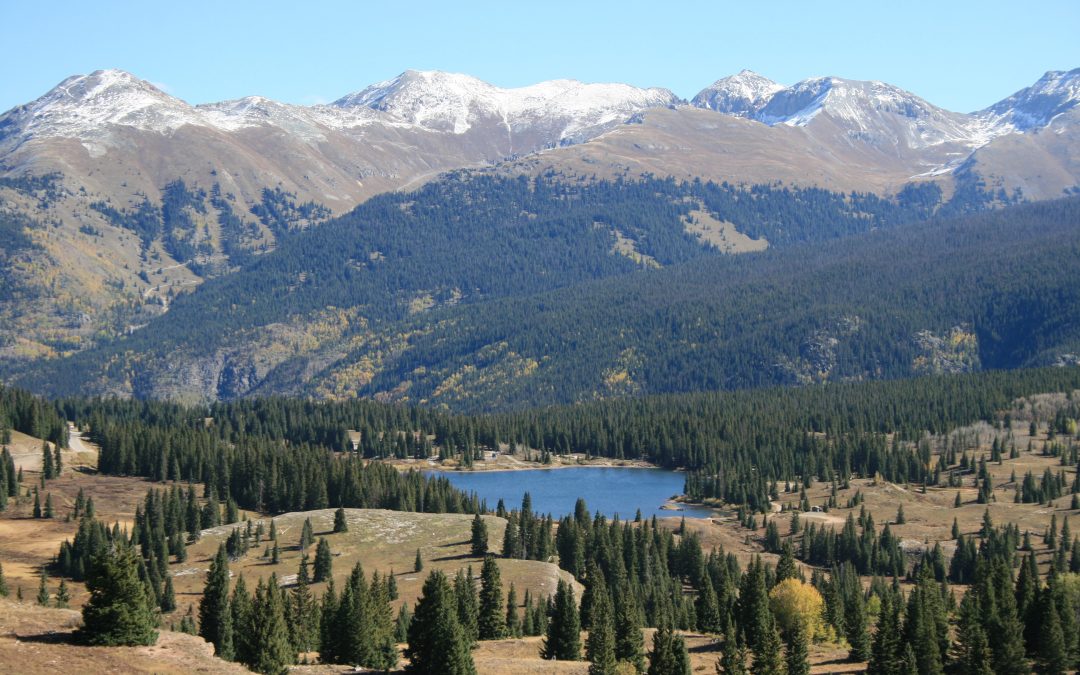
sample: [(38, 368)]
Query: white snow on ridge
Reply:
[(1056, 92), (85, 106), (91, 108), (455, 102), (874, 111)]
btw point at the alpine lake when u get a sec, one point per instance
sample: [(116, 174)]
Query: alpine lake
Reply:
[(608, 490)]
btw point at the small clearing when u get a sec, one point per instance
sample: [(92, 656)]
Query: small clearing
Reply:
[(721, 233)]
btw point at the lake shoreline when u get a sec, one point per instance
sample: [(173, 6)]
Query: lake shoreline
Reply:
[(507, 463)]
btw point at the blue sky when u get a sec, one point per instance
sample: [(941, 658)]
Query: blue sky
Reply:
[(959, 55)]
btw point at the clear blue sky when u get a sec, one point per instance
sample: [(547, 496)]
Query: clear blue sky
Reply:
[(959, 55)]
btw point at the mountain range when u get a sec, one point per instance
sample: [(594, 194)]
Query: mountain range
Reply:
[(116, 198)]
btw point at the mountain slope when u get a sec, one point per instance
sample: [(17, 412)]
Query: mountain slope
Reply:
[(148, 195), (452, 295), (123, 197)]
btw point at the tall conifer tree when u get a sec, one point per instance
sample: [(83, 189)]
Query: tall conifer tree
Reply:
[(491, 622), (215, 621), (437, 645), (119, 611)]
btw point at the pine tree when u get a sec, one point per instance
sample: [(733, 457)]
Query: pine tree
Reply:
[(328, 634), (629, 642), (1051, 649), (563, 639), (732, 657), (47, 468), (600, 645), (668, 655), (468, 605), (401, 625), (998, 607), (37, 504), (528, 627), (3, 583), (352, 624), (391, 586), (301, 613), (785, 567), (43, 590), (855, 626), (491, 621), (479, 536), (307, 535), (973, 648), (754, 615), (241, 613), (797, 657), (513, 621), (48, 505), (708, 611), (886, 652), (925, 624), (324, 561), (62, 595), (270, 634), (168, 596), (381, 617), (418, 563), (768, 656), (119, 611), (215, 621), (437, 645), (340, 524)]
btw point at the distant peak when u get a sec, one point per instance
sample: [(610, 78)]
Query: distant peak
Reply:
[(742, 94), (1056, 92)]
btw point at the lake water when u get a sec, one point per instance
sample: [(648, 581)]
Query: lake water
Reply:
[(609, 490)]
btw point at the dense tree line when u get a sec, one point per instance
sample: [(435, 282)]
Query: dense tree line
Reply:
[(31, 415), (743, 447)]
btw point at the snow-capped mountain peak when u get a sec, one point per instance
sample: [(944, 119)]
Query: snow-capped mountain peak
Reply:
[(89, 107), (869, 111), (742, 95), (1056, 92), (455, 102)]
